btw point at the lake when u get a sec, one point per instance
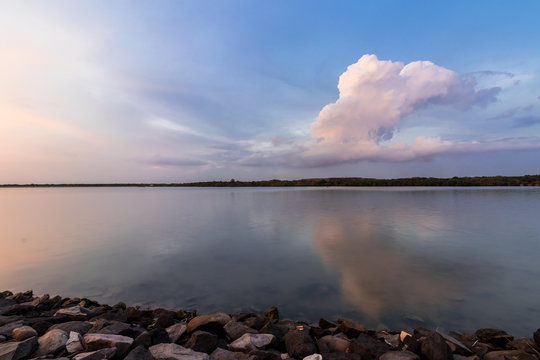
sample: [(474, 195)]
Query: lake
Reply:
[(398, 258)]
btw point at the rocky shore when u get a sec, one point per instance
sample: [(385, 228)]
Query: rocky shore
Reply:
[(81, 329)]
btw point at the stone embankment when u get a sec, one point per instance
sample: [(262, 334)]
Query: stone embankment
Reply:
[(82, 329)]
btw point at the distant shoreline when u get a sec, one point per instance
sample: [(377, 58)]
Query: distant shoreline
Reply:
[(525, 180)]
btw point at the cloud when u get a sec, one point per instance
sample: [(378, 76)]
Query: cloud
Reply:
[(526, 121), (158, 160)]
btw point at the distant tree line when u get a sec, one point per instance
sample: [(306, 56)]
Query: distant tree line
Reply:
[(526, 180)]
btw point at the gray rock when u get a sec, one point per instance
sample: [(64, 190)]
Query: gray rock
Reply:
[(100, 341), (15, 350), (272, 314), (52, 342), (299, 344), (313, 357), (139, 353), (176, 331), (144, 340), (101, 354), (81, 327), (73, 313), (175, 352), (331, 343), (399, 355), (202, 341), (7, 329), (512, 354), (220, 319), (222, 354), (74, 343), (434, 347), (23, 333), (248, 342), (234, 330)]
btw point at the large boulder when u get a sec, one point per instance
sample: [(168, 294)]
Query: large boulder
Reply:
[(23, 333), (15, 350), (81, 327), (208, 322), (176, 331), (299, 344), (434, 347), (222, 354), (74, 343), (494, 336), (175, 352), (350, 328), (52, 342), (202, 341), (509, 354), (333, 343), (235, 329), (368, 347), (99, 341), (139, 353), (73, 313), (248, 342), (7, 329)]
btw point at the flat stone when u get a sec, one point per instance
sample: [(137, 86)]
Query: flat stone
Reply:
[(514, 354), (73, 313), (248, 342), (102, 354), (313, 357), (139, 353), (299, 344), (175, 352), (434, 347), (74, 343), (81, 327), (399, 355), (220, 318), (16, 350), (100, 341), (52, 342), (332, 343), (7, 329), (23, 333), (176, 331), (235, 329)]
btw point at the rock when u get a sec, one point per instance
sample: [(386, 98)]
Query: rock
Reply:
[(325, 324), (5, 294), (480, 349), (526, 345), (368, 347), (23, 333), (263, 355), (101, 354), (460, 348), (422, 331), (4, 320), (202, 341), (99, 341), (41, 327), (15, 350), (175, 352), (255, 322), (16, 309), (159, 336), (222, 354), (176, 331), (117, 328), (349, 328), (434, 347), (74, 343), (248, 342), (299, 344), (494, 336), (275, 329), (272, 314), (81, 327), (24, 296), (7, 329), (329, 343), (399, 355), (208, 321), (341, 356), (144, 340), (139, 353), (234, 330), (313, 357), (73, 313), (163, 318), (391, 339), (52, 342), (2, 338), (536, 337), (512, 354)]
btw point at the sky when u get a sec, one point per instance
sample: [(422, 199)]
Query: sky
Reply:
[(179, 91)]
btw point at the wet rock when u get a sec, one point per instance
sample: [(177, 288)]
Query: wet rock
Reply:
[(341, 356), (234, 330), (17, 309), (99, 341), (494, 336), (159, 336), (15, 350), (144, 340), (176, 331), (73, 313), (202, 341), (512, 354), (208, 322), (349, 328), (222, 354), (368, 347), (399, 355), (325, 324), (536, 337), (175, 352), (272, 314), (52, 342), (23, 333), (434, 347), (248, 342), (299, 344), (41, 327), (139, 353), (81, 327), (329, 343), (101, 354), (7, 329), (74, 343)]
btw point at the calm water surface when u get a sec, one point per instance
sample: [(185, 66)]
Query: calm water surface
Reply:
[(460, 258)]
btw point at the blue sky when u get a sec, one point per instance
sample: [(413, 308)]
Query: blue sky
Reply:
[(99, 91)]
